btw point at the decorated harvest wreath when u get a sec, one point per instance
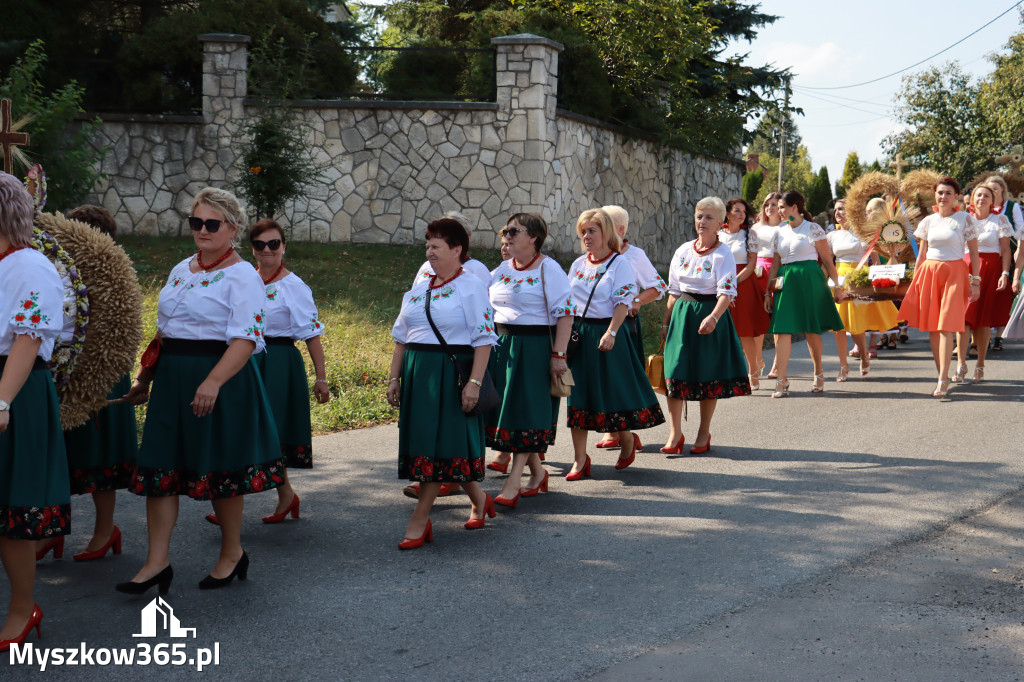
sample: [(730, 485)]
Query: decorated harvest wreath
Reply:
[(102, 309), (1014, 178)]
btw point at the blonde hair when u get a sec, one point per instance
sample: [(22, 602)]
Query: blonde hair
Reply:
[(618, 215), (876, 204), (223, 202), (16, 211), (998, 179), (604, 221), (460, 219), (711, 204), (987, 189)]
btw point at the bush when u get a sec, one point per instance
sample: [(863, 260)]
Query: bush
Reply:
[(425, 73)]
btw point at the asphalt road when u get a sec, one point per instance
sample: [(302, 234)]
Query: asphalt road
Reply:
[(799, 548)]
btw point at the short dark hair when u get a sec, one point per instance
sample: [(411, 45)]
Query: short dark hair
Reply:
[(535, 226), (264, 225), (97, 217), (951, 182), (453, 233)]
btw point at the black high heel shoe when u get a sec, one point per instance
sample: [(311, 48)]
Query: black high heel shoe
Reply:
[(241, 569), (163, 579)]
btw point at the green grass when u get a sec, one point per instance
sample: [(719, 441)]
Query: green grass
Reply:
[(358, 289)]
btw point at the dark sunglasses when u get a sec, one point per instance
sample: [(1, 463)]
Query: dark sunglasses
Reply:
[(511, 232), (212, 224), (258, 245)]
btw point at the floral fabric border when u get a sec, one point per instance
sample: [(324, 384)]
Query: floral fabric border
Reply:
[(707, 390), (35, 523), (609, 422), (426, 470), (511, 440), (214, 485), (99, 479)]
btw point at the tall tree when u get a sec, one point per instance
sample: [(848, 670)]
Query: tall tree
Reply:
[(948, 128), (820, 192), (851, 171), (1003, 91), (751, 185)]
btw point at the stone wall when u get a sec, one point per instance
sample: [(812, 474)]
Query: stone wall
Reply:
[(392, 167)]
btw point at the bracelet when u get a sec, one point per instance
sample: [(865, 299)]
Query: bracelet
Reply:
[(975, 279), (477, 382), (556, 354), (714, 318), (1006, 274), (323, 381), (393, 379)]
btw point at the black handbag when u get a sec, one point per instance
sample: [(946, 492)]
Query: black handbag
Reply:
[(574, 336), (489, 398)]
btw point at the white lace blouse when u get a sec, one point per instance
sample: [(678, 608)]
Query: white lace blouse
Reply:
[(291, 311), (31, 300), (740, 244), (765, 236), (518, 296), (947, 237), (708, 273), (990, 231), (222, 305), (460, 309), (795, 244), (846, 247)]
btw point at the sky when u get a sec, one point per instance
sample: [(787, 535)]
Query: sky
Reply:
[(827, 43)]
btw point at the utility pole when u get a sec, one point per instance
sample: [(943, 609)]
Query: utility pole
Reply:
[(782, 139)]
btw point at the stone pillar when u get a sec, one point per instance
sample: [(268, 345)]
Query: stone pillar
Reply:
[(527, 95), (225, 87)]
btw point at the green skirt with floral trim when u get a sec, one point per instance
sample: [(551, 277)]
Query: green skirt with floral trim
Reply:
[(437, 441), (35, 497), (232, 451), (528, 415), (612, 392), (703, 366), (101, 452), (284, 377)]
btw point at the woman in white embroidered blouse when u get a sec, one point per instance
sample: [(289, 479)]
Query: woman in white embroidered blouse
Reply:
[(437, 441), (612, 392), (649, 284), (703, 356), (209, 432), (768, 221), (533, 313), (942, 287), (805, 303), (995, 296), (35, 493)]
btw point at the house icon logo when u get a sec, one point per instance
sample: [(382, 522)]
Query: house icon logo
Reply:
[(158, 619)]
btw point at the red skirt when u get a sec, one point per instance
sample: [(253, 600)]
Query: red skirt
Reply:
[(747, 310), (992, 309), (937, 300)]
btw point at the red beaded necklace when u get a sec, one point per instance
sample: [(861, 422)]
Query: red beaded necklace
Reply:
[(272, 277), (438, 286), (11, 249), (520, 269), (697, 250), (590, 258), (199, 259)]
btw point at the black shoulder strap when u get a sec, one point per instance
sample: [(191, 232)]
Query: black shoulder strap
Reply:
[(437, 332), (596, 280)]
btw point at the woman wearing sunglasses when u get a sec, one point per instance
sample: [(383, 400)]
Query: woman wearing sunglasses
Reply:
[(209, 431), (35, 498), (533, 312), (291, 315)]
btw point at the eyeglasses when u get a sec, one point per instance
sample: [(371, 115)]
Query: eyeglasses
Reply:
[(258, 245), (212, 224), (511, 232)]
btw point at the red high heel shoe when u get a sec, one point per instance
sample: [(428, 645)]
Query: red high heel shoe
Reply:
[(580, 473), (541, 455), (700, 450), (56, 544), (531, 492), (428, 536), (473, 524), (676, 449), (608, 443), (505, 502), (114, 541), (623, 463), (292, 509), (212, 518), (500, 468), (33, 622)]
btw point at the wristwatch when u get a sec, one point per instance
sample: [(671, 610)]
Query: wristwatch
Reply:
[(613, 333), (4, 406)]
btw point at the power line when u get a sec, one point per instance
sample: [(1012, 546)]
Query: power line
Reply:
[(846, 106), (872, 102), (845, 125), (927, 59)]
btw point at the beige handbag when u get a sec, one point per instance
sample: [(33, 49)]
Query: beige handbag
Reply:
[(655, 368), (561, 386)]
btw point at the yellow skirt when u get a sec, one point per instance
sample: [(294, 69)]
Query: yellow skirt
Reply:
[(863, 317)]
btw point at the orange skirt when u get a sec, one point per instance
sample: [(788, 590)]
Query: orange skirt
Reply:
[(937, 300)]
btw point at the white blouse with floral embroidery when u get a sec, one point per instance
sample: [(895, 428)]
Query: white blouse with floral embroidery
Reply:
[(616, 284), (472, 266), (31, 300), (518, 298), (708, 273), (291, 311), (647, 276), (460, 309), (222, 305), (990, 231), (947, 237)]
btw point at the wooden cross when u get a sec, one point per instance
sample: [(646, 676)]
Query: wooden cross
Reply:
[(8, 138), (898, 164)]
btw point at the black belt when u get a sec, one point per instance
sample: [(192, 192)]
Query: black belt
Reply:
[(697, 298), (279, 341), (193, 348), (38, 364), (595, 320), (523, 329), (436, 348)]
